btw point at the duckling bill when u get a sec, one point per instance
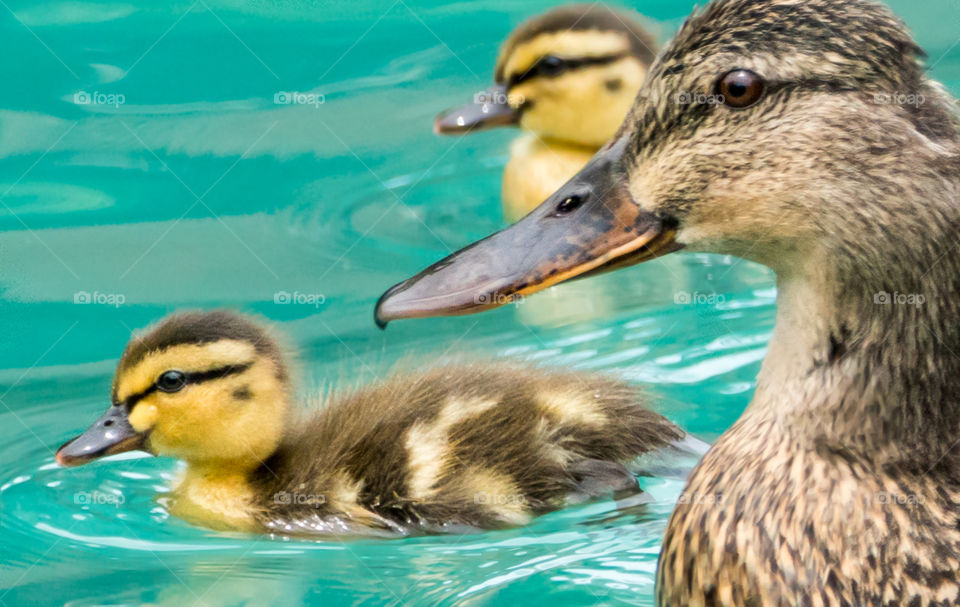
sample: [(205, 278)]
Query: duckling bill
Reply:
[(480, 445)]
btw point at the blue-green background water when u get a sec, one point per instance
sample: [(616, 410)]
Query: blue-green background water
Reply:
[(199, 190)]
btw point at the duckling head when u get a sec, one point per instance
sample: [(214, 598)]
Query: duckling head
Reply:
[(205, 387), (801, 134), (570, 75)]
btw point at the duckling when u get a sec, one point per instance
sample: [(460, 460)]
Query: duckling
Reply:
[(817, 145), (472, 444), (566, 77)]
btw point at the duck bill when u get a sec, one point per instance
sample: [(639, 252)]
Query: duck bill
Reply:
[(489, 109), (591, 225), (110, 434)]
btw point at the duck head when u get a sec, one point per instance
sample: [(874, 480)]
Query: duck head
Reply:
[(205, 387), (570, 74), (801, 134)]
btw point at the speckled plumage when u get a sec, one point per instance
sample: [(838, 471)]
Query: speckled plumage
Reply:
[(477, 445), (835, 161), (840, 484)]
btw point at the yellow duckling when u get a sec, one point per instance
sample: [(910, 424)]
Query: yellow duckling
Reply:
[(478, 445), (567, 77), (807, 136)]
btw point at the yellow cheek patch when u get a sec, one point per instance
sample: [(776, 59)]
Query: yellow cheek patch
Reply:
[(569, 44), (143, 417), (184, 357), (578, 106), (206, 422)]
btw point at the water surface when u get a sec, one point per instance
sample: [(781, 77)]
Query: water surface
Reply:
[(145, 167)]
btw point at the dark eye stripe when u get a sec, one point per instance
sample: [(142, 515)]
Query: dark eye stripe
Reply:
[(219, 372), (192, 378), (566, 65), (133, 399)]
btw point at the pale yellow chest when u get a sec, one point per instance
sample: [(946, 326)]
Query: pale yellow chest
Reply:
[(537, 168), (214, 498)]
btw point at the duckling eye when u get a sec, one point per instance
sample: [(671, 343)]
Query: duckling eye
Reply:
[(550, 65), (171, 381), (740, 88)]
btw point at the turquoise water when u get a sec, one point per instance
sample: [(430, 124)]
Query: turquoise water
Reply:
[(184, 184)]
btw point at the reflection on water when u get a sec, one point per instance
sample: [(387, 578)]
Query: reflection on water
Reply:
[(198, 189)]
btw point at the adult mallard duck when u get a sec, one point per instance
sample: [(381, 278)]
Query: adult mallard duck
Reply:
[(566, 77), (816, 145), (459, 445)]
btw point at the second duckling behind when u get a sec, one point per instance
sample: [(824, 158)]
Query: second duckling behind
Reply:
[(481, 444), (567, 78)]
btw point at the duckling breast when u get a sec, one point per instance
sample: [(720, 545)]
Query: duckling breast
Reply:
[(536, 169)]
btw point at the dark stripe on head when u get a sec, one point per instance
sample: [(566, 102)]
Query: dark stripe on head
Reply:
[(542, 69), (198, 327), (195, 377), (218, 373), (581, 17)]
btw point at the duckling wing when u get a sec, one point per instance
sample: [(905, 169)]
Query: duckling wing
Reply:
[(482, 445)]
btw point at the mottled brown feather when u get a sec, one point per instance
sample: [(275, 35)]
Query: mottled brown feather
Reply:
[(840, 484), (362, 434)]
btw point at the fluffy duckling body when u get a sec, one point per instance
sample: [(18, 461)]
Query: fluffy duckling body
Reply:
[(816, 145), (475, 445), (566, 77)]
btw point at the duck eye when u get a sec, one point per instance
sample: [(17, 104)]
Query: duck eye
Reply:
[(171, 381), (569, 204), (550, 65), (740, 88)]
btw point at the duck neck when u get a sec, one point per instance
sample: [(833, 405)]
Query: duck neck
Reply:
[(864, 358), (216, 494)]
